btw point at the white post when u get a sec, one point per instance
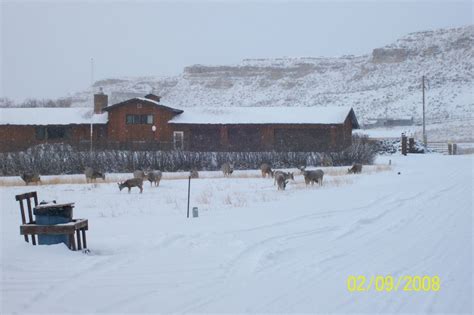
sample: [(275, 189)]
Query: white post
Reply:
[(92, 131), (93, 105), (92, 72), (425, 140)]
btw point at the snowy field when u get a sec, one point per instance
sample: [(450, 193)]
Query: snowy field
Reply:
[(253, 249), (448, 131)]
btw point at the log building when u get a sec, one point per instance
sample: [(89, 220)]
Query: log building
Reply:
[(146, 124)]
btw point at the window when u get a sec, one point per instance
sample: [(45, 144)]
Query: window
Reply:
[(205, 138), (139, 119), (245, 138), (302, 139), (40, 133), (56, 132), (178, 140), (149, 119), (53, 132)]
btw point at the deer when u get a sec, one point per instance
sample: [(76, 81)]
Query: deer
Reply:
[(327, 161), (281, 180), (266, 170), (227, 169), (154, 177), (313, 177), (194, 173), (133, 182), (92, 174), (287, 175), (302, 169), (139, 174), (30, 178), (356, 168)]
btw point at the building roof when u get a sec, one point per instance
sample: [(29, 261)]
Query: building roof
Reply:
[(50, 116), (195, 115), (266, 115), (143, 100)]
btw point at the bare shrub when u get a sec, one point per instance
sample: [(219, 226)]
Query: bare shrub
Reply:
[(54, 159), (227, 200), (339, 181), (205, 197)]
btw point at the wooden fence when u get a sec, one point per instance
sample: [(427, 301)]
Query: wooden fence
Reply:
[(452, 148)]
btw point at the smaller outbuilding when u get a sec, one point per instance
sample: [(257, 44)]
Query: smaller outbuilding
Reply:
[(21, 128)]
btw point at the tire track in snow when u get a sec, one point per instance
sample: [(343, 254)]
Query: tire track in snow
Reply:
[(61, 289), (243, 262), (312, 216)]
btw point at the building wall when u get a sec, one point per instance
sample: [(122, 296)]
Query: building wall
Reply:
[(119, 131), (117, 134), (20, 137), (278, 137)]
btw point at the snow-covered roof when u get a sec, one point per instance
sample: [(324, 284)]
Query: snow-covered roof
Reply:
[(265, 115), (143, 100), (50, 116)]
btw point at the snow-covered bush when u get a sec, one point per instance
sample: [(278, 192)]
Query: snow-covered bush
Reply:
[(392, 146), (63, 159)]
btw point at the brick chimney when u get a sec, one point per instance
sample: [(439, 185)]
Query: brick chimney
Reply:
[(153, 97), (101, 101)]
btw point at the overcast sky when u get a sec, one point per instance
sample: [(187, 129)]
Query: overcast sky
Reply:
[(46, 46)]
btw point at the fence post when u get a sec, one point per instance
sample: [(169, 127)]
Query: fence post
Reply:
[(450, 148), (411, 145), (189, 191), (404, 144), (455, 148)]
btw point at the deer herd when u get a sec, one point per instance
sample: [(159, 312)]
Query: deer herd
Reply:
[(281, 178)]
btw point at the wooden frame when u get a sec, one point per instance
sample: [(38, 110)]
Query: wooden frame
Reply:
[(76, 226)]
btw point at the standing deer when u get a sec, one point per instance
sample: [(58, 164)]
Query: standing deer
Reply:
[(154, 177), (281, 180), (227, 169), (302, 169), (313, 177), (266, 170), (30, 178), (194, 174), (133, 182), (284, 174), (139, 174), (92, 174), (356, 168)]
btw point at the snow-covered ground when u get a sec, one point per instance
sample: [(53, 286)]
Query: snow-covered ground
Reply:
[(393, 132), (253, 248), (460, 131)]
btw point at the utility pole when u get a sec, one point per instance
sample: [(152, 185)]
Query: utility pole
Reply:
[(92, 132), (93, 106), (425, 142), (92, 72)]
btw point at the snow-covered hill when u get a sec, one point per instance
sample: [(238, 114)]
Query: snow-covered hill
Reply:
[(386, 82)]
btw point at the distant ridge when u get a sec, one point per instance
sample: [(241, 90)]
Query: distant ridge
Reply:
[(385, 82)]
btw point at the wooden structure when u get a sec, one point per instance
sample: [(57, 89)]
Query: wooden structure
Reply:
[(143, 123), (133, 121), (404, 144), (254, 129), (22, 128), (76, 229)]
